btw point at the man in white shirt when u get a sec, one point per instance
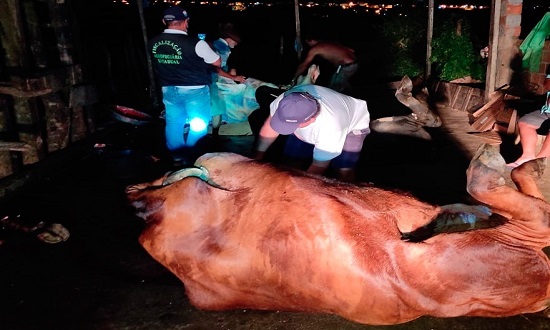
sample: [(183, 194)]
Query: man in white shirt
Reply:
[(321, 123)]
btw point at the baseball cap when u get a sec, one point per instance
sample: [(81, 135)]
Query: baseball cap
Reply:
[(175, 13), (294, 109)]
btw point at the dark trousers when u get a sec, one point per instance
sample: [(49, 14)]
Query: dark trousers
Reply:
[(264, 96)]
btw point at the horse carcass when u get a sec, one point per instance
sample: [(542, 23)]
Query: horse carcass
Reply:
[(243, 234)]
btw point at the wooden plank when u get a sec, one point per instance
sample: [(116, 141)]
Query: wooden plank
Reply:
[(14, 146), (476, 101), (53, 79), (455, 91), (513, 122), (450, 90), (495, 100), (9, 90), (468, 98), (504, 116), (490, 137), (506, 121), (486, 120)]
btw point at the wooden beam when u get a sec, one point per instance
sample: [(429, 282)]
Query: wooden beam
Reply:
[(9, 90), (494, 35)]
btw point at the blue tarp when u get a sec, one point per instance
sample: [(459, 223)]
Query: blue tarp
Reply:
[(239, 99)]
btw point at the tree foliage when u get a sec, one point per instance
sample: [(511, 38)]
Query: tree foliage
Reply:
[(453, 52), (406, 36)]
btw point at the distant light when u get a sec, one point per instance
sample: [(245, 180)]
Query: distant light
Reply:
[(197, 124)]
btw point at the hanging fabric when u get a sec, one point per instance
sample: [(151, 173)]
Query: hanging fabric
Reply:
[(532, 46)]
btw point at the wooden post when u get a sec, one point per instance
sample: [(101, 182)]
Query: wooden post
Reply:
[(14, 42), (152, 88), (59, 15), (429, 39), (494, 35), (298, 43)]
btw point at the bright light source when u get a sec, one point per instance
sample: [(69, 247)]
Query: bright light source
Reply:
[(197, 124)]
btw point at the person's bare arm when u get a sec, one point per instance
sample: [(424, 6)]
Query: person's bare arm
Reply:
[(318, 167), (305, 64), (217, 63), (265, 139), (237, 78)]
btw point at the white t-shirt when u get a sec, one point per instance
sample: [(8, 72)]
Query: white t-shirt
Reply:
[(202, 48), (340, 114)]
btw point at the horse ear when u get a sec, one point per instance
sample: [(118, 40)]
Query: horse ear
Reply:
[(406, 85)]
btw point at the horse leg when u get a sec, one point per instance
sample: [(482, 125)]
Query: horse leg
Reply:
[(526, 176), (486, 183)]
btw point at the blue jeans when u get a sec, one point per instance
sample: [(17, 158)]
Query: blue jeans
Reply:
[(184, 105)]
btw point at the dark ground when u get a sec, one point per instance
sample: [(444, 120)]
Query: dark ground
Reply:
[(101, 278)]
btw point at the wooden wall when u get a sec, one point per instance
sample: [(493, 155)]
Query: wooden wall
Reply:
[(536, 79), (464, 97), (45, 102)]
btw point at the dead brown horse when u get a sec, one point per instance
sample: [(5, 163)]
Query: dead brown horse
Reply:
[(249, 235)]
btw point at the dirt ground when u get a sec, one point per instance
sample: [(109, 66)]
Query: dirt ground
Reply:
[(101, 278)]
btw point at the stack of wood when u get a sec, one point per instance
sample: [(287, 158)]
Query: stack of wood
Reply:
[(494, 118)]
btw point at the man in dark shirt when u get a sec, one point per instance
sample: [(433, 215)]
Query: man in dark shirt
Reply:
[(183, 66)]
